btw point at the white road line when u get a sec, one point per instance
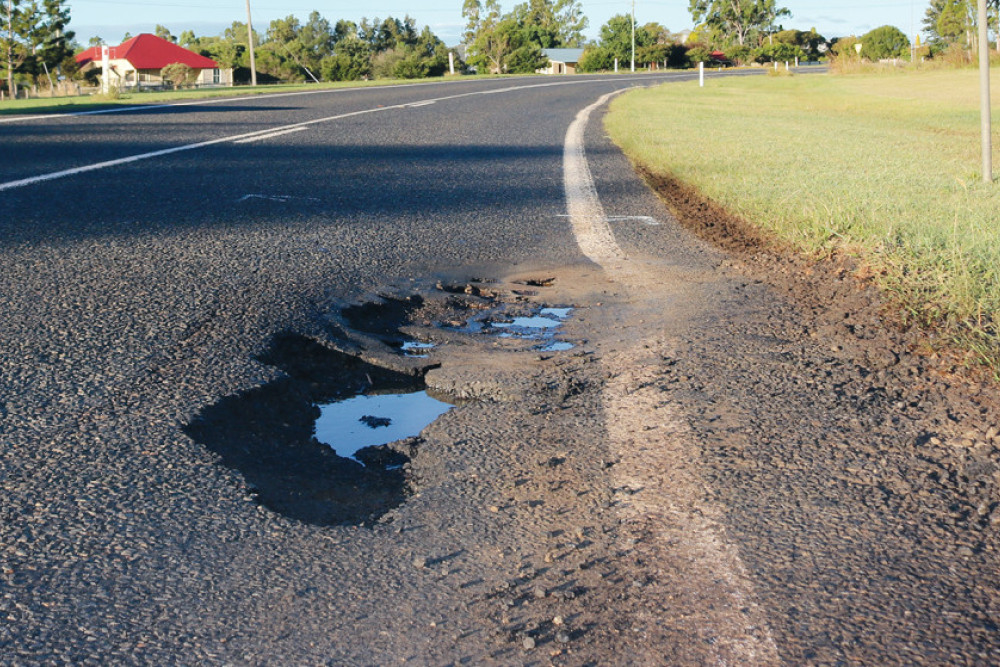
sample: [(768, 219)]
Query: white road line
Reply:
[(666, 445), (590, 225), (11, 185), (24, 182), (271, 135)]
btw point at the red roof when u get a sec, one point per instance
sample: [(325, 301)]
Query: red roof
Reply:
[(148, 51)]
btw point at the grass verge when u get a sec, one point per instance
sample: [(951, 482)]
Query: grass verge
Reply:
[(883, 167)]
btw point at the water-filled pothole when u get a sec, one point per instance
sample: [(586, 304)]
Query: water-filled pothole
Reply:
[(370, 420), (268, 435)]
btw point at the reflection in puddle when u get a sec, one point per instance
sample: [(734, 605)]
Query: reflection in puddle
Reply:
[(415, 349), (366, 421), (541, 326), (537, 322)]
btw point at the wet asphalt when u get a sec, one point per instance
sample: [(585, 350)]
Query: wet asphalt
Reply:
[(135, 296)]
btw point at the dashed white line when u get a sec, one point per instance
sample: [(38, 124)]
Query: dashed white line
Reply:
[(270, 135)]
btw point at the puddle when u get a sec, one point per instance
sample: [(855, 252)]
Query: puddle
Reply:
[(557, 346), (367, 421), (268, 435), (415, 349), (540, 326)]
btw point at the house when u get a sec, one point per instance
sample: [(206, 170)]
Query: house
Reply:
[(561, 61), (139, 62)]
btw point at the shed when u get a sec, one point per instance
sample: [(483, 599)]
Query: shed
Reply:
[(561, 61)]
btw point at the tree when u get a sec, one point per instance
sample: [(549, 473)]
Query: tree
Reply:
[(616, 37), (351, 60), (884, 42), (615, 41), (14, 51), (779, 52), (188, 40), (671, 55), (164, 33), (428, 56), (46, 39), (34, 40), (737, 21), (812, 43)]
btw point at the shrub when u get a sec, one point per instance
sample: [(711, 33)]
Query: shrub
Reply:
[(352, 61), (179, 75), (674, 55), (740, 54), (596, 59), (699, 54), (113, 94), (884, 42), (778, 52)]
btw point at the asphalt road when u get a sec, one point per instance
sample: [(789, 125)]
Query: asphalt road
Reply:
[(137, 294), (738, 463)]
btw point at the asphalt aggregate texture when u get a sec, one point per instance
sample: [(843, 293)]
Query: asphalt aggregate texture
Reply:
[(742, 460)]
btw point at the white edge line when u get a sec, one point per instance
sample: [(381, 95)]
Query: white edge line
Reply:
[(587, 217)]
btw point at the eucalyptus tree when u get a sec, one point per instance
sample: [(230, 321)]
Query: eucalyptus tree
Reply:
[(739, 21)]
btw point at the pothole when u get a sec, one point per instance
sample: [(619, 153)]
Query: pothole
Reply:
[(268, 434), (331, 442)]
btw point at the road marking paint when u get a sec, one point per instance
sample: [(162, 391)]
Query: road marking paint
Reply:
[(711, 582), (272, 135), (11, 185), (278, 198), (645, 219), (425, 103), (590, 224)]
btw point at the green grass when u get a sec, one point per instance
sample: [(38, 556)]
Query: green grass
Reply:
[(882, 166), (90, 103)]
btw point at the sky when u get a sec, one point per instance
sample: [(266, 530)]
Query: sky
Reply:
[(111, 19)]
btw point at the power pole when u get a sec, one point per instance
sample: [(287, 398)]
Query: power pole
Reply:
[(10, 49), (984, 94), (253, 63), (633, 35)]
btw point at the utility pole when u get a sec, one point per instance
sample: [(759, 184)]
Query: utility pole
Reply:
[(984, 94), (10, 49), (253, 63), (633, 35)]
